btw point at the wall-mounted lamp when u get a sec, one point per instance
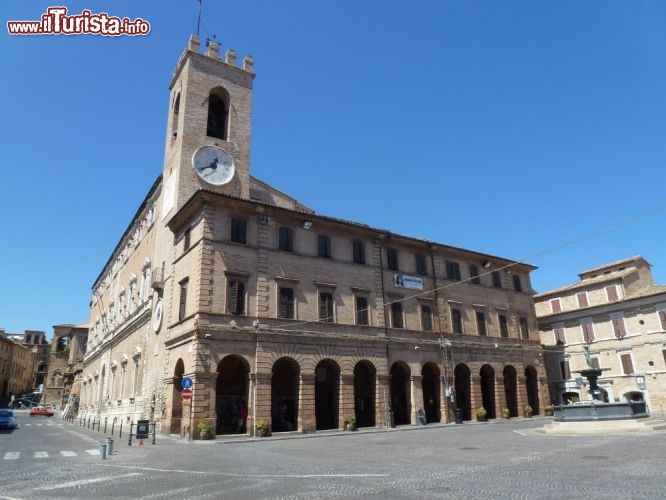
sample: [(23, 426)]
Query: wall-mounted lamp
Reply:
[(264, 219), (307, 225), (486, 264)]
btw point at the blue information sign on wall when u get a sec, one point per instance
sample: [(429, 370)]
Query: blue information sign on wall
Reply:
[(187, 383)]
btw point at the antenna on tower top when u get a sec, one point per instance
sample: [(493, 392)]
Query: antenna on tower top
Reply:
[(199, 16)]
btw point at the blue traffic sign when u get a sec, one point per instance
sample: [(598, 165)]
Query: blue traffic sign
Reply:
[(186, 383)]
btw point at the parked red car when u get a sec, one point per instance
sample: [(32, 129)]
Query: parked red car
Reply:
[(41, 410)]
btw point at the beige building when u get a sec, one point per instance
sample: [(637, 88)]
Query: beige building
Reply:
[(298, 319), (61, 386), (619, 314), (17, 367)]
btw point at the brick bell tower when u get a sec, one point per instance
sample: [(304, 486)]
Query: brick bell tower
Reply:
[(208, 129)]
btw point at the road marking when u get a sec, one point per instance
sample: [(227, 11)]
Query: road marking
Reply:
[(226, 474), (68, 453), (40, 454), (85, 481), (92, 452), (12, 455)]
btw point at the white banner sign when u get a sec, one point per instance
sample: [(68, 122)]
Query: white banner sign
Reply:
[(404, 281)]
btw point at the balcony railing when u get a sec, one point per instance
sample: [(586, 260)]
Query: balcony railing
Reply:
[(157, 279)]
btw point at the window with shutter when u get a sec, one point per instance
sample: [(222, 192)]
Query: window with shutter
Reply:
[(612, 293), (359, 251), (396, 315), (517, 284), (481, 324), (497, 279), (524, 331), (182, 302), (618, 327), (456, 321), (324, 246), (286, 239), (627, 365), (452, 270), (421, 264), (186, 239), (582, 299), (236, 297), (238, 231), (426, 318), (474, 274), (588, 332), (392, 259), (326, 307), (504, 326), (286, 306), (362, 317), (564, 369)]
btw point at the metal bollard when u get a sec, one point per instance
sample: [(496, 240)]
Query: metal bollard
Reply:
[(109, 446), (102, 451)]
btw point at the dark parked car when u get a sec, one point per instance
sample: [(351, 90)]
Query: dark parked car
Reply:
[(7, 419)]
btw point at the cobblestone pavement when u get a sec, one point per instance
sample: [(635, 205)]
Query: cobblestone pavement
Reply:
[(504, 459)]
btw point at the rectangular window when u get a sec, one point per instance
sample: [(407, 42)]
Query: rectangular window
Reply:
[(452, 270), (362, 317), (663, 353), (326, 307), (595, 362), (396, 315), (564, 369), (236, 297), (456, 321), (627, 364), (611, 291), (559, 336), (504, 326), (238, 231), (497, 279), (618, 327), (359, 251), (182, 302), (286, 305), (517, 285), (524, 331), (555, 305), (426, 318), (186, 239), (286, 238), (481, 324), (392, 258), (421, 267), (588, 332), (324, 246), (582, 299), (474, 274)]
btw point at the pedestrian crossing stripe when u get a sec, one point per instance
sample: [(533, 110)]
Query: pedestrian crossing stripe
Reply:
[(14, 455)]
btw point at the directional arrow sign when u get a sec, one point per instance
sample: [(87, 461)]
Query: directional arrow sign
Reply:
[(187, 393)]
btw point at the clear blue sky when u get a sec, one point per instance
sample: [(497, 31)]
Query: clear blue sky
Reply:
[(505, 127)]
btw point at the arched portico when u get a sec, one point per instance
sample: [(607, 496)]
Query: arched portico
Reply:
[(231, 394), (365, 382), (400, 393), (430, 383), (327, 394), (463, 389), (511, 389), (284, 395)]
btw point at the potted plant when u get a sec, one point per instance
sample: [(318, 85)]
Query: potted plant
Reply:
[(350, 423), (528, 411), (481, 414), (205, 430), (261, 427), (506, 413), (548, 410)]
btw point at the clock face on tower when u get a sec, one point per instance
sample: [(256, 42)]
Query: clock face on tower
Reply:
[(213, 165)]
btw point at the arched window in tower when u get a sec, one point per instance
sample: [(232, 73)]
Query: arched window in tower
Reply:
[(218, 113), (174, 118)]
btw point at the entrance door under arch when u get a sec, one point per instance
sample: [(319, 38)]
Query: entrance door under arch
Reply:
[(488, 390), (511, 389), (364, 394), (430, 383), (327, 391), (400, 400), (284, 395), (176, 397), (532, 389), (463, 385), (231, 391)]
